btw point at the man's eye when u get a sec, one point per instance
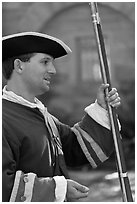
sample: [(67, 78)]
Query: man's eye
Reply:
[(45, 62)]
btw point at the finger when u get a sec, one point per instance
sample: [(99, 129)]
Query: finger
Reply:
[(79, 195), (113, 97), (112, 92), (82, 188), (116, 105), (116, 102)]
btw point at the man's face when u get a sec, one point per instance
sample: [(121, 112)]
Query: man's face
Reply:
[(37, 73)]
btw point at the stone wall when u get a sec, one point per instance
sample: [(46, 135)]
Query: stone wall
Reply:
[(73, 88), (22, 16)]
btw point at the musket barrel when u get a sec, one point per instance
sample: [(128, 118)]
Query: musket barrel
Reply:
[(123, 176)]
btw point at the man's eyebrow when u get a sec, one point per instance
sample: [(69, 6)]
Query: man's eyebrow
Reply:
[(47, 58)]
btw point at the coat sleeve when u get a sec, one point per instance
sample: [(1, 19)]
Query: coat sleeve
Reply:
[(19, 187), (29, 188), (87, 141)]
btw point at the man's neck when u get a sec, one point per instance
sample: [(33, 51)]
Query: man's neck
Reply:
[(20, 91)]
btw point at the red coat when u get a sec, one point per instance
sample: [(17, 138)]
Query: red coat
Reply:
[(29, 148)]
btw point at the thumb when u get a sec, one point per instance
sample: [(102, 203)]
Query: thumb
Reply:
[(103, 87), (82, 188)]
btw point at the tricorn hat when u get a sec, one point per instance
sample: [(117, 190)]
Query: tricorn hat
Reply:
[(32, 42)]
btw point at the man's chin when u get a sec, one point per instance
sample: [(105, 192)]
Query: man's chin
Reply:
[(45, 89)]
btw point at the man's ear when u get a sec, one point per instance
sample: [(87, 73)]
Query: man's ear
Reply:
[(18, 66)]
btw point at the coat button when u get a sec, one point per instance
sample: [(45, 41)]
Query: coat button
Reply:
[(25, 179), (23, 198)]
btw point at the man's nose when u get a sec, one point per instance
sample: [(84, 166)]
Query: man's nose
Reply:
[(52, 69)]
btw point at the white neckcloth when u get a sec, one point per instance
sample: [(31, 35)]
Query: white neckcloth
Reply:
[(11, 96)]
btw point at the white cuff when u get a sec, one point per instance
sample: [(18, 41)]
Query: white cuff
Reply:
[(15, 186), (61, 188), (99, 114)]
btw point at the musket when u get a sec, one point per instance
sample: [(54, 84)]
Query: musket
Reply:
[(104, 68)]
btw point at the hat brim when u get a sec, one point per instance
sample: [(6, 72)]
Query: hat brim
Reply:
[(33, 42)]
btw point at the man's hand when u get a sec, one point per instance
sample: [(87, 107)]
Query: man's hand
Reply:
[(75, 191), (112, 97)]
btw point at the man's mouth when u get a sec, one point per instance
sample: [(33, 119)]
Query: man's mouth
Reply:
[(47, 80)]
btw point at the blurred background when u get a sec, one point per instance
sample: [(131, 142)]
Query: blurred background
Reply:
[(78, 78)]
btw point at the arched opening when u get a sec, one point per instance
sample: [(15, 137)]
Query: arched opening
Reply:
[(78, 74)]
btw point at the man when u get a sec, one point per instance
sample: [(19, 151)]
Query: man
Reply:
[(37, 147)]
